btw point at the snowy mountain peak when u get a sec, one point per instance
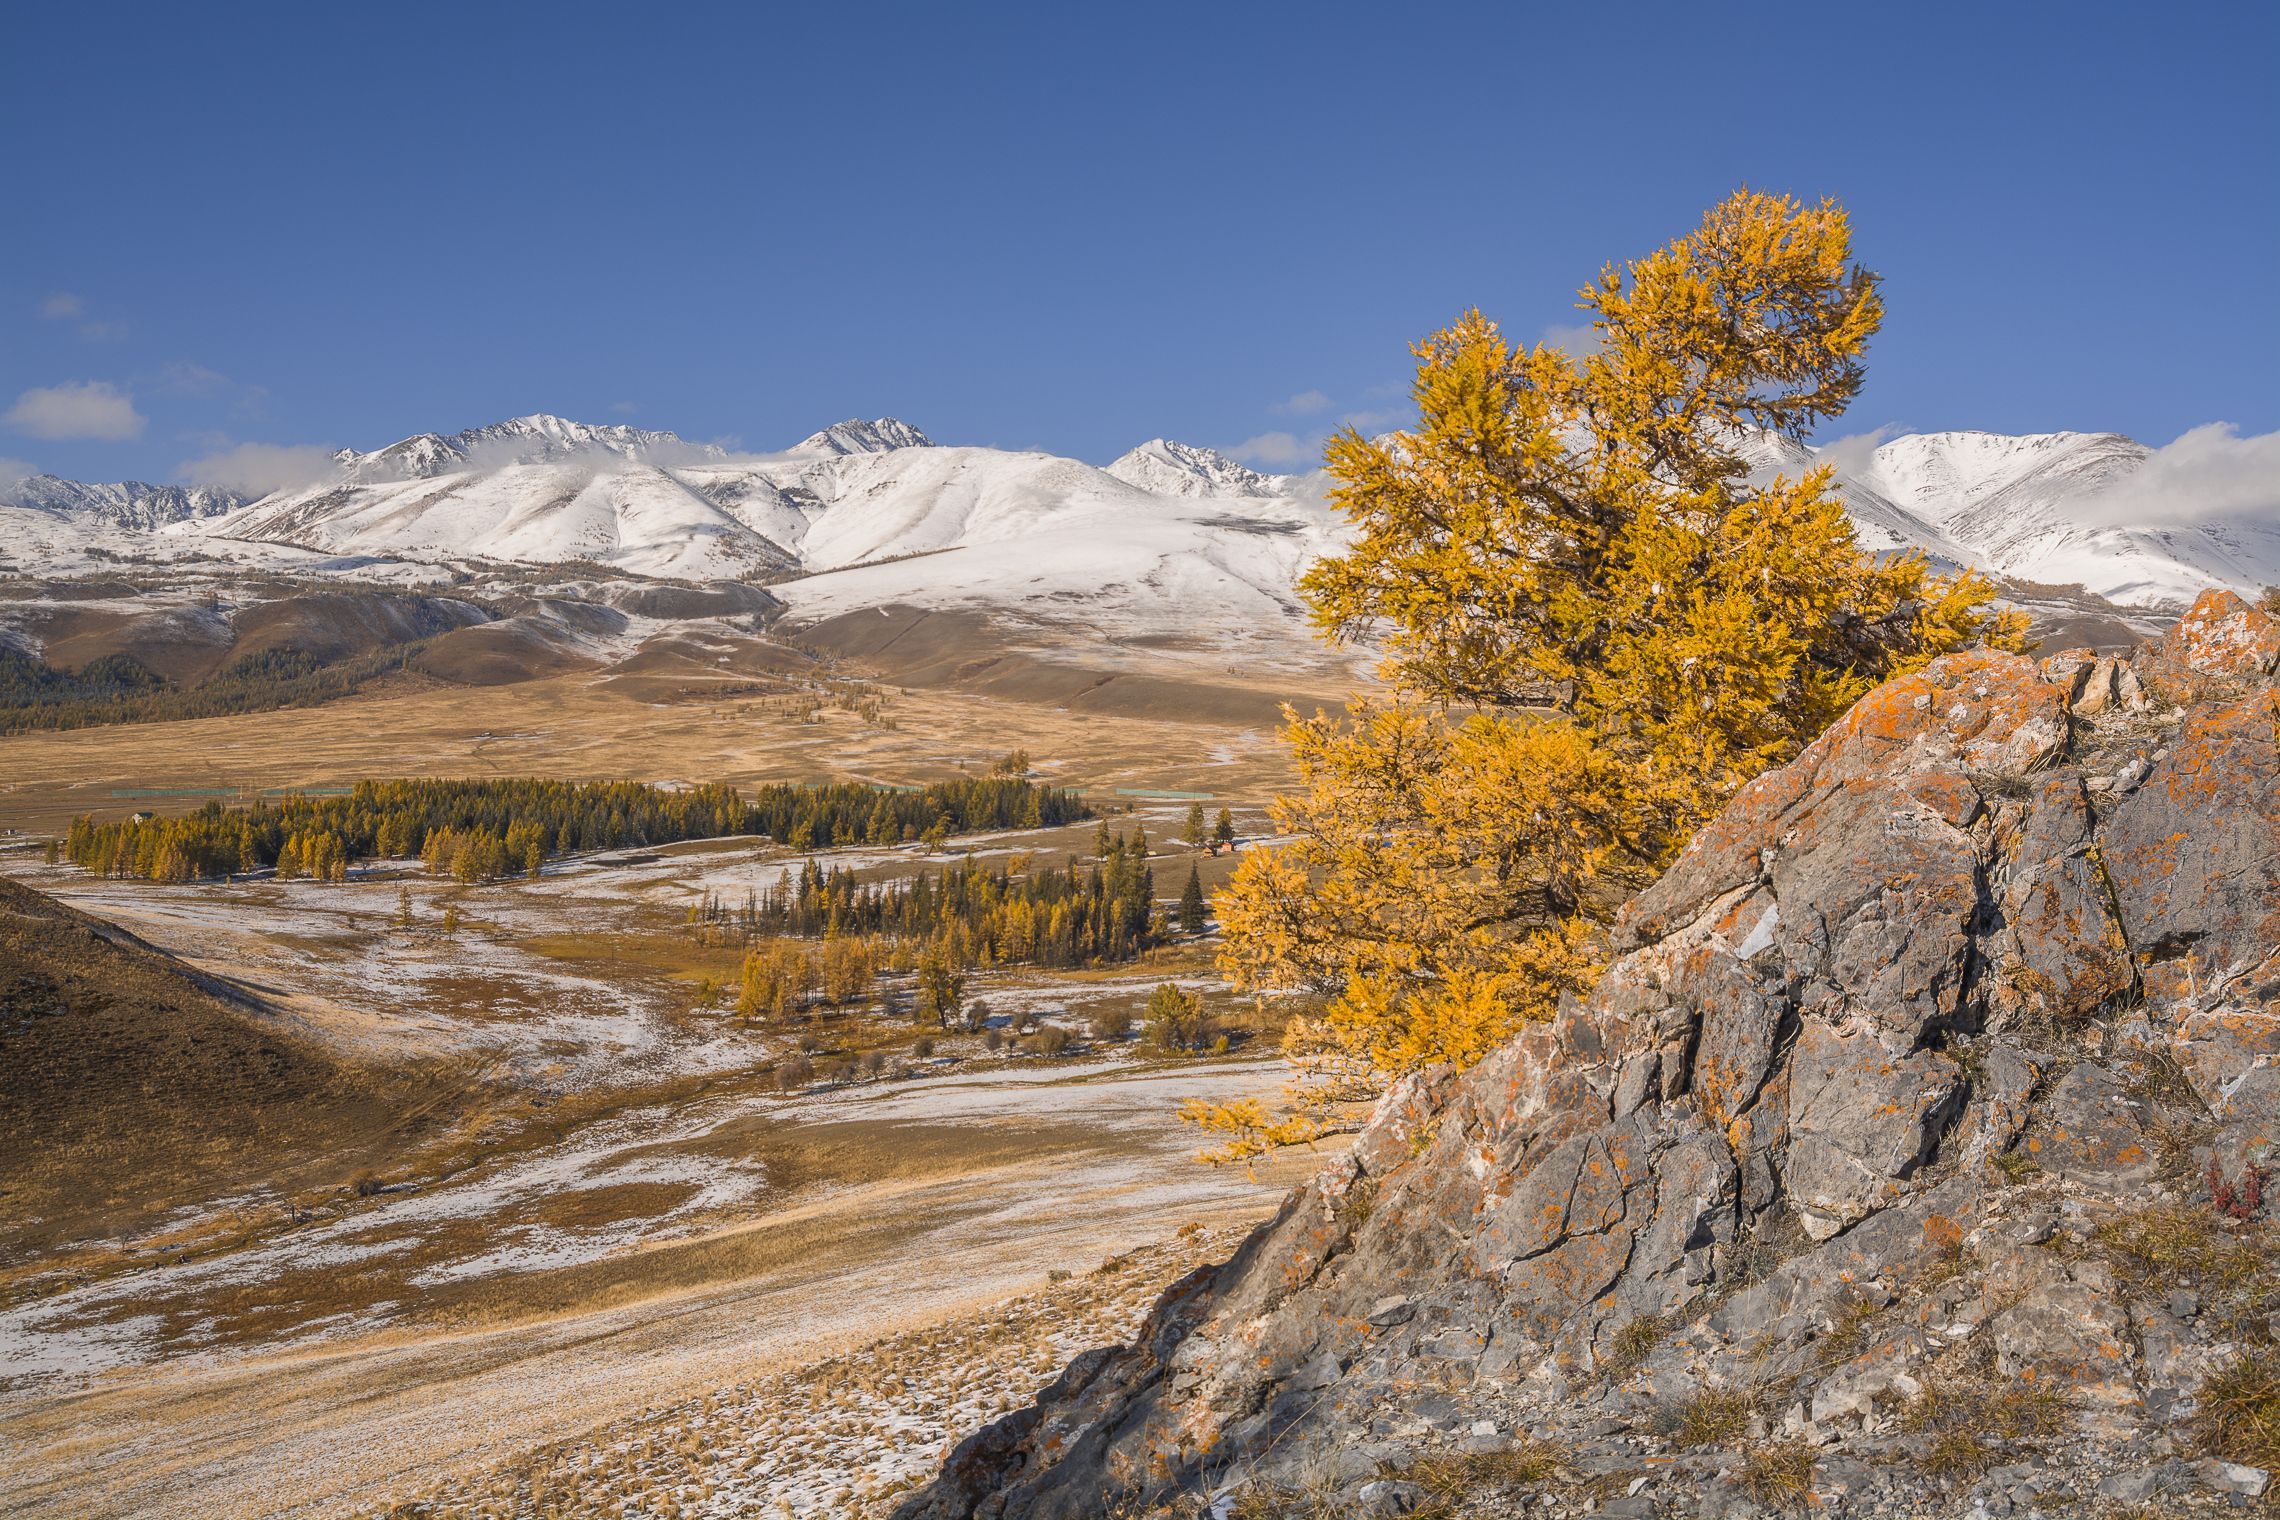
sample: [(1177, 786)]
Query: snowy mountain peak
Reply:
[(1181, 469), (1953, 477), (135, 504), (534, 439), (855, 436)]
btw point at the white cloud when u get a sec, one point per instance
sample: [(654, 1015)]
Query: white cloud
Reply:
[(102, 332), (1576, 339), (14, 472), (1373, 421), (1271, 449), (60, 305), (1855, 452), (2209, 472), (259, 467), (625, 408), (1304, 404), (76, 409), (185, 379)]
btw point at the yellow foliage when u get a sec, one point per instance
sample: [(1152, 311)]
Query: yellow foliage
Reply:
[(1597, 624)]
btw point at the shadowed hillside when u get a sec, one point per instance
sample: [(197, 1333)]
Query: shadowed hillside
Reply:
[(130, 1086)]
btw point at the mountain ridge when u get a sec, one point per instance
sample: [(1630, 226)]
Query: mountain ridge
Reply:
[(542, 489)]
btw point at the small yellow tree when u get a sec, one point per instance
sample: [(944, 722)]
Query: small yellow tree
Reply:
[(849, 964), (776, 979), (1598, 624)]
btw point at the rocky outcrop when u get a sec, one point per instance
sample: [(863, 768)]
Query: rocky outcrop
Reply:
[(1906, 1160)]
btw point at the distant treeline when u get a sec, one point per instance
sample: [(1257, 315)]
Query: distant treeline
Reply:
[(118, 688), (975, 914), (479, 830)]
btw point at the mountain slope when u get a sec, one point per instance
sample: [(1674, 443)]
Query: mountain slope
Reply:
[(536, 439), (865, 508), (2047, 508), (131, 1086), (584, 507), (1883, 524)]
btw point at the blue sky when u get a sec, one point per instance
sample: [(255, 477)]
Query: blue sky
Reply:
[(1075, 227)]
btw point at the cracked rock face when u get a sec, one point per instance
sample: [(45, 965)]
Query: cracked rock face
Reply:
[(1884, 1056)]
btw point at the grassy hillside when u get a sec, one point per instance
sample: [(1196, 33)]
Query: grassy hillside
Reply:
[(130, 1086)]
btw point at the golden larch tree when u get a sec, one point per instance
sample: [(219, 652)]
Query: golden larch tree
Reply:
[(1598, 622)]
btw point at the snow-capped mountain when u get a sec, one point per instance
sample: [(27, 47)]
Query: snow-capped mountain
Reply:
[(133, 504), (1180, 469), (535, 439), (2045, 508), (855, 436), (1882, 524), (863, 510)]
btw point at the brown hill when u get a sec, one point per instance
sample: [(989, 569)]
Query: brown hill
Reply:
[(131, 1086)]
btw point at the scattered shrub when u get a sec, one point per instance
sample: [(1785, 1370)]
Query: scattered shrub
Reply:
[(794, 1074), (1964, 1418), (1112, 1023), (1049, 1041), (923, 1049), (2235, 1200)]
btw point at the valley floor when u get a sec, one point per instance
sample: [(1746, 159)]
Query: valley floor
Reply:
[(341, 1424), (626, 1215)]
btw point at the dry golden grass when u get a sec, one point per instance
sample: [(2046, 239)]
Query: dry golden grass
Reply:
[(586, 726), (1633, 1343), (1779, 1476), (1475, 1475), (2239, 1414), (1965, 1418), (1714, 1417)]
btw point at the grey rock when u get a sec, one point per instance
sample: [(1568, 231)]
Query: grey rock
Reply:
[(1386, 1496), (1762, 1151), (2234, 1478), (2133, 1486)]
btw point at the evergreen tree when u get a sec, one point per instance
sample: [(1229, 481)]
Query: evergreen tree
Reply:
[(1191, 903), (483, 830), (1194, 832), (1224, 831), (1176, 1019)]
